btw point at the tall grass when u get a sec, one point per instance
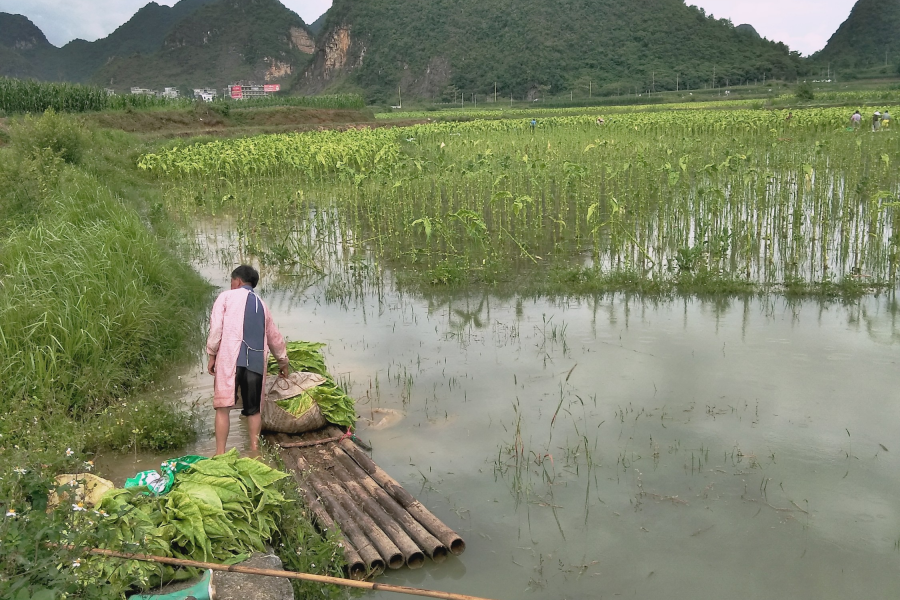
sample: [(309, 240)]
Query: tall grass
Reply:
[(92, 304)]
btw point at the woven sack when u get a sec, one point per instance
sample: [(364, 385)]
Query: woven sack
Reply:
[(275, 418)]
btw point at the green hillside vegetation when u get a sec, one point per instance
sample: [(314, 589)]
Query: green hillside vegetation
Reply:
[(25, 51), (22, 47), (870, 37), (432, 48), (144, 33), (221, 42), (316, 26)]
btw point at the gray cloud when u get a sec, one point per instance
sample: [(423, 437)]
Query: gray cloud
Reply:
[(804, 25)]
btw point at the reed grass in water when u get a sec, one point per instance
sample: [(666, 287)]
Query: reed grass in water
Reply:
[(715, 201)]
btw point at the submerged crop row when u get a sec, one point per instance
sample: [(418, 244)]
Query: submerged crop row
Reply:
[(745, 196)]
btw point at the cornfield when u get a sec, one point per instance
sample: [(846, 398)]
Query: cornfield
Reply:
[(29, 96)]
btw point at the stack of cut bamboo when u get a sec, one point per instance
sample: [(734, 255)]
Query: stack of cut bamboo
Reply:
[(382, 524)]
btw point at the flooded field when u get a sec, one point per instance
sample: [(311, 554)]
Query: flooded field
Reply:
[(605, 444), (618, 446)]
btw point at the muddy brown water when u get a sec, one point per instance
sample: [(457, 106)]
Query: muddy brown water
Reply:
[(618, 446)]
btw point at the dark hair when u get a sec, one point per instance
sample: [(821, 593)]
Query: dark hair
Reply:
[(247, 274)]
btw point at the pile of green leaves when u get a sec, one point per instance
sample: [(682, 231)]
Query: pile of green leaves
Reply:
[(334, 403), (219, 510), (304, 356)]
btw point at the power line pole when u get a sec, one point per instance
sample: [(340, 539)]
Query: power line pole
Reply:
[(590, 88)]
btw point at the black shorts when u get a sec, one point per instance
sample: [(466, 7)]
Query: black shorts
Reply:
[(249, 385)]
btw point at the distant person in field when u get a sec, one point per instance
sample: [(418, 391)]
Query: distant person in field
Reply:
[(533, 123), (885, 119), (876, 121), (600, 121), (855, 120), (789, 117), (241, 333)]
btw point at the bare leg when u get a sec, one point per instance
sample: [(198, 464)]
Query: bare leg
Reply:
[(254, 424), (223, 423)]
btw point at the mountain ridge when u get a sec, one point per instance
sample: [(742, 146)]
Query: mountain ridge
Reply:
[(527, 47), (440, 49), (871, 30)]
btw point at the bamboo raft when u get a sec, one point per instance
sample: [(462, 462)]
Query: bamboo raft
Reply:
[(383, 525)]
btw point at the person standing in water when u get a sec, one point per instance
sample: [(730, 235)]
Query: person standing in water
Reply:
[(241, 334)]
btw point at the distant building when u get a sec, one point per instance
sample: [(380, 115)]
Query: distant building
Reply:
[(109, 91), (205, 94), (169, 92), (143, 92), (239, 91)]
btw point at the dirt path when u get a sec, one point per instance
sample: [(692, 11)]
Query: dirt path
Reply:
[(206, 121)]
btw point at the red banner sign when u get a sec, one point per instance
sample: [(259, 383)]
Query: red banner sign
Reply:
[(237, 92), (272, 88)]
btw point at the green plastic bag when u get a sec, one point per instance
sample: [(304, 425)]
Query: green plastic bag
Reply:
[(160, 484)]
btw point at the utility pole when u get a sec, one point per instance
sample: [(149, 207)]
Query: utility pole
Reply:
[(590, 88), (676, 81), (495, 92), (714, 77), (653, 82), (399, 97)]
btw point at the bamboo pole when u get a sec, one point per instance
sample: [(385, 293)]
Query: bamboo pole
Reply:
[(351, 516), (356, 567), (427, 542), (310, 443), (324, 579), (348, 526), (447, 536), (412, 554)]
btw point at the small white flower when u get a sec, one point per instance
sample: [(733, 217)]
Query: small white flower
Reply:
[(69, 452), (11, 513), (78, 507), (88, 465), (313, 565), (20, 470), (76, 563)]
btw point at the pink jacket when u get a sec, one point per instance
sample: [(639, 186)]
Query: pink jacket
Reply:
[(226, 329)]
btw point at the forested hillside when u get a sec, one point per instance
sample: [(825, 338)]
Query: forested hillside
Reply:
[(221, 42), (434, 48), (869, 37), (191, 44)]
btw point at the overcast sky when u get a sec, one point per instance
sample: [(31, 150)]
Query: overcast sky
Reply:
[(804, 25)]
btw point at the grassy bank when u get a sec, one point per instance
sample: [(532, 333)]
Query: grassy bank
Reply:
[(97, 302)]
